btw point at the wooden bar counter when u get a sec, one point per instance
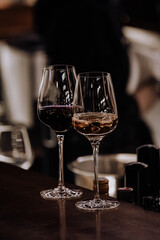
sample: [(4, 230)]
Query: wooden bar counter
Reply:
[(25, 215), (15, 21)]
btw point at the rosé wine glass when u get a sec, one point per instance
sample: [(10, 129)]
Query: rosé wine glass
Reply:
[(95, 115)]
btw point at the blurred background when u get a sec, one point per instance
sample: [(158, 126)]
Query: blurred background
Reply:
[(119, 36)]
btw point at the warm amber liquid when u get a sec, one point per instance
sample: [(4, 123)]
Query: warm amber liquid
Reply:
[(95, 123)]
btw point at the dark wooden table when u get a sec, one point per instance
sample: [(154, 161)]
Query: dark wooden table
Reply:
[(25, 215)]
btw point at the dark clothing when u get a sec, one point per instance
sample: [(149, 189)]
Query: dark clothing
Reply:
[(87, 34)]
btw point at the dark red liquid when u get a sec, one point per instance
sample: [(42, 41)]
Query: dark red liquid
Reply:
[(59, 118)]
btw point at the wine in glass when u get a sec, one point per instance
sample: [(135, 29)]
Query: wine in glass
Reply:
[(55, 109), (95, 116)]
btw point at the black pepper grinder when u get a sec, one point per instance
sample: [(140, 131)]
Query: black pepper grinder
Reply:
[(150, 155), (135, 173)]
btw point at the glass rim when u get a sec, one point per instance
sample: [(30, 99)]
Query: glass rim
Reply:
[(57, 67), (91, 74)]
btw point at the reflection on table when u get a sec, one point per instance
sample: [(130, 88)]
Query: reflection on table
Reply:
[(24, 213)]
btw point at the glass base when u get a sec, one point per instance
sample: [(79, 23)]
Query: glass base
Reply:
[(61, 193), (97, 204)]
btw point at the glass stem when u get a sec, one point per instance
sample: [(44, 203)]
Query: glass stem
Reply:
[(95, 148), (61, 173)]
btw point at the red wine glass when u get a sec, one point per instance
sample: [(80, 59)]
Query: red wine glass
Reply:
[(95, 116), (55, 109)]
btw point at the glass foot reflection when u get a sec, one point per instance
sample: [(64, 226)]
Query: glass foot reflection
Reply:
[(97, 204), (60, 193)]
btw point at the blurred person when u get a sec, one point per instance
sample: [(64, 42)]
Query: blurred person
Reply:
[(148, 97), (87, 34)]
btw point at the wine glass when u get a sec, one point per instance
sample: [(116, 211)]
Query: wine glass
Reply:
[(55, 109), (95, 116), (15, 147)]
